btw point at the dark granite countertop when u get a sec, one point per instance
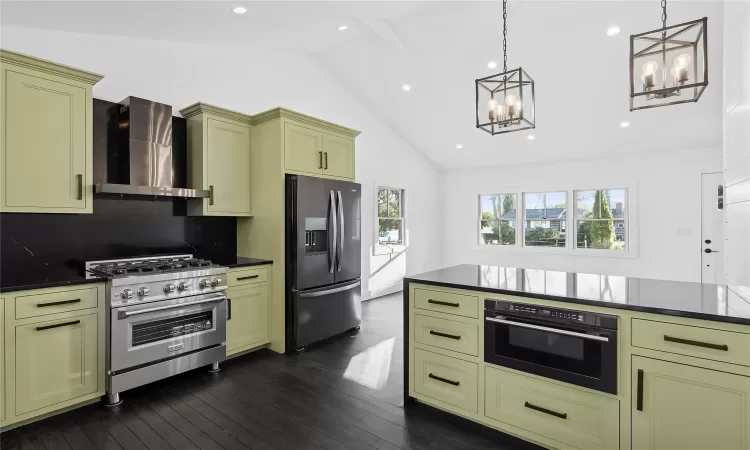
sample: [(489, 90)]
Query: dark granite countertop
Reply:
[(241, 261), (715, 302), (38, 279)]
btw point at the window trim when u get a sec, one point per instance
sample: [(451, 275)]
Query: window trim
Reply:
[(377, 248)]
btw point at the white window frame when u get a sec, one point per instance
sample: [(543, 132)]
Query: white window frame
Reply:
[(631, 222), (377, 248), (479, 223), (625, 220)]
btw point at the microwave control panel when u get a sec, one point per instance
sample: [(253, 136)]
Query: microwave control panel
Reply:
[(500, 307)]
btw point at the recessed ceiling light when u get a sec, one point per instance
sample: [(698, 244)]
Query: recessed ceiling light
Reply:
[(239, 10), (614, 30), (459, 146), (530, 137), (624, 124), (406, 87), (492, 65), (343, 28)]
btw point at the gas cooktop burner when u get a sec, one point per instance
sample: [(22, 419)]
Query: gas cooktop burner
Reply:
[(136, 266)]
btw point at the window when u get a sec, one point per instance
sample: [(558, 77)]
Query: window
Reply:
[(497, 221), (390, 217), (544, 219), (601, 221)]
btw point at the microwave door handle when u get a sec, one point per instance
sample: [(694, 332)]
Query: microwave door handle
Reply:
[(331, 227), (591, 337), (340, 250)]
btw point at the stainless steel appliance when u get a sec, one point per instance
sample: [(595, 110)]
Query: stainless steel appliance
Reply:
[(167, 315), (323, 251), (577, 347)]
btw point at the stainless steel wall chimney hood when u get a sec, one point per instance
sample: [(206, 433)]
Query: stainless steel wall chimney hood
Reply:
[(140, 158)]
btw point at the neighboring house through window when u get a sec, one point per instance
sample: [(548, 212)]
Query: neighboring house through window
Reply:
[(390, 226), (497, 219), (544, 219)]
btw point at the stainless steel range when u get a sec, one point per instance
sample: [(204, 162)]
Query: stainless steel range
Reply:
[(167, 316)]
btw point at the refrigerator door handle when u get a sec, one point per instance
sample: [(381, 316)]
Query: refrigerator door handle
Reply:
[(331, 291), (332, 227), (340, 250)]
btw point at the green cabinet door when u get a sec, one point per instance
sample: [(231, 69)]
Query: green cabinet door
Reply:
[(2, 360), (248, 319), (228, 167), (338, 156), (680, 407), (44, 144), (56, 360), (303, 149)]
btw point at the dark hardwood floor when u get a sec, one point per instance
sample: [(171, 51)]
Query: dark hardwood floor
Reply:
[(345, 394)]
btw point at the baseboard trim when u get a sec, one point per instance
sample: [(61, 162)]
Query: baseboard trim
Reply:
[(369, 295)]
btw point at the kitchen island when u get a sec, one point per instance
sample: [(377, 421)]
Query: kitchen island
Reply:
[(581, 361)]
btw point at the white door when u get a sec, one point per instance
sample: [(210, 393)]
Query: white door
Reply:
[(712, 230)]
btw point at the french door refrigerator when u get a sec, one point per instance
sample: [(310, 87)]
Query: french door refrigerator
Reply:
[(323, 250)]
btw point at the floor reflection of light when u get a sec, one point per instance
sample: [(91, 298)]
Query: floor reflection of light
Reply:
[(371, 367)]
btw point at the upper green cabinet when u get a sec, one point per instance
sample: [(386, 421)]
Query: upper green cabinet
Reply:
[(45, 136), (338, 156), (303, 149), (218, 160), (681, 407)]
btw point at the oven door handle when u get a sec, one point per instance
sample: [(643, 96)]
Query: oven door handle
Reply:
[(126, 314), (551, 330)]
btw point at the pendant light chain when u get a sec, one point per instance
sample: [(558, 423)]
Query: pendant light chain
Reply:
[(505, 33), (664, 13)]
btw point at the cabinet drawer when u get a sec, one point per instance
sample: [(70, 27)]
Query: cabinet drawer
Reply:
[(56, 302), (580, 419), (248, 276), (445, 302), (707, 343), (447, 334), (449, 380)]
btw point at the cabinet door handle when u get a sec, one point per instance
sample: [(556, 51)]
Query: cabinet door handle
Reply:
[(62, 302), (438, 302), (545, 410), (320, 160), (445, 335), (80, 186), (58, 325), (211, 195), (250, 277), (444, 380), (325, 155), (229, 309), (639, 392), (722, 347)]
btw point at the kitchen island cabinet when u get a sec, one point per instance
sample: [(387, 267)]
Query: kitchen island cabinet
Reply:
[(681, 381)]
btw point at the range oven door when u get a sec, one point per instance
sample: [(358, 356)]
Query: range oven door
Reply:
[(151, 332), (577, 354)]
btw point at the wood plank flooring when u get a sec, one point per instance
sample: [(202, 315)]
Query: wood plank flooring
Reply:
[(345, 394)]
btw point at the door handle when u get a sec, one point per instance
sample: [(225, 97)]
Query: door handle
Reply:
[(639, 391), (332, 227), (325, 155), (63, 302), (708, 250), (80, 186), (722, 347), (330, 291), (340, 250), (320, 160), (229, 309), (445, 335), (545, 410), (211, 195), (591, 337), (126, 314), (58, 325), (444, 380)]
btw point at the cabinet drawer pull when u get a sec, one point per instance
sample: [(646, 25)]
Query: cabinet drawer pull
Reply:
[(545, 410), (58, 325), (63, 302), (438, 302), (325, 155), (722, 347), (80, 186), (639, 391), (445, 335), (444, 380), (229, 309), (320, 160), (249, 277), (211, 195)]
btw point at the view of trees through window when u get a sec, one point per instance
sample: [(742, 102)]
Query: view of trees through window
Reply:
[(498, 219), (545, 219), (390, 216), (600, 219)]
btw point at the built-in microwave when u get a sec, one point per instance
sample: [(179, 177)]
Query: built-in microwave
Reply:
[(577, 347)]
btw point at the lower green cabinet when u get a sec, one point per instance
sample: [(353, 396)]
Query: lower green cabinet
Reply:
[(681, 407), (574, 417), (2, 360), (56, 360), (248, 318)]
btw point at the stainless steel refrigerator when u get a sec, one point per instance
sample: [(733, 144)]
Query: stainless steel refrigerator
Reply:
[(323, 251)]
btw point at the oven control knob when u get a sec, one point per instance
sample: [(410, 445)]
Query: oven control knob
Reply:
[(127, 293), (143, 292), (168, 288), (181, 286), (215, 282), (205, 283)]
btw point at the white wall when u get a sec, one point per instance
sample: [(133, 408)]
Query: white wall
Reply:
[(667, 211), (251, 80), (737, 141)]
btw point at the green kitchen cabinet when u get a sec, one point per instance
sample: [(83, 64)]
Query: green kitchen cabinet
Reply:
[(338, 156), (45, 136), (219, 160), (247, 318), (56, 360), (2, 360), (303, 149), (681, 407)]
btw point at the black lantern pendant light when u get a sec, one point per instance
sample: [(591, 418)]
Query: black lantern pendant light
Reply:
[(653, 82), (505, 101)]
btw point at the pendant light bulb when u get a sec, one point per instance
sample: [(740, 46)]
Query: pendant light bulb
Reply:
[(682, 61), (649, 74), (492, 107), (511, 102)]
